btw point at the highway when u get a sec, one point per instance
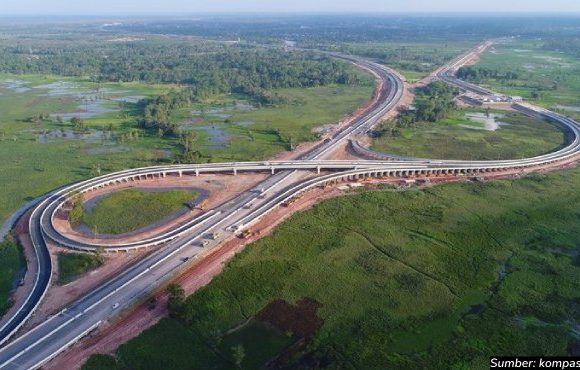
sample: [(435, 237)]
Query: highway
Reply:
[(208, 231)]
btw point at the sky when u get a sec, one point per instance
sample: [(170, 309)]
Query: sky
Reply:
[(103, 7)]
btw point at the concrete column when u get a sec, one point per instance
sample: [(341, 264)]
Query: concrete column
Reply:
[(235, 171), (180, 174), (318, 170), (197, 172), (272, 170)]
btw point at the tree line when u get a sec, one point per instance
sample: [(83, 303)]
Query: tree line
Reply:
[(477, 74), (208, 68)]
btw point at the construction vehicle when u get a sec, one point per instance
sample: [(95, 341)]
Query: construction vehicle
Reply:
[(247, 234), (152, 304), (290, 201), (202, 205)]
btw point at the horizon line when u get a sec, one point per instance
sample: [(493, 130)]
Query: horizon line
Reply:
[(303, 13)]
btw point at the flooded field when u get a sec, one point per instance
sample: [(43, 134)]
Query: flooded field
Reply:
[(218, 138), (88, 137), (489, 122), (92, 99), (87, 110), (14, 85), (224, 112), (567, 107)]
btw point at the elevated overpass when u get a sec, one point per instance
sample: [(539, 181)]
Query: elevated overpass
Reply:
[(39, 345)]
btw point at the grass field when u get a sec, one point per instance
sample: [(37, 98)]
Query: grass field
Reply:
[(73, 265), (458, 137), (11, 267), (555, 76), (129, 210), (436, 278)]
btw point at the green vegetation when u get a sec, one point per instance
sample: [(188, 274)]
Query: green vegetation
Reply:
[(529, 68), (461, 137), (209, 68), (41, 156), (40, 153), (176, 299), (73, 265), (217, 131), (415, 60), (435, 278), (77, 213), (432, 103), (130, 210), (12, 264)]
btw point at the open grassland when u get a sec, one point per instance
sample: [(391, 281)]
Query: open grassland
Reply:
[(437, 278), (130, 210), (12, 266), (458, 137), (547, 78), (73, 265)]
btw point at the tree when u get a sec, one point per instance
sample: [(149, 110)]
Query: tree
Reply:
[(95, 170), (238, 354), (77, 213), (77, 123), (176, 300)]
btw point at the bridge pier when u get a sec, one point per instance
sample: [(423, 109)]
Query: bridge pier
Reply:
[(197, 172), (180, 173), (235, 171), (272, 170), (318, 170)]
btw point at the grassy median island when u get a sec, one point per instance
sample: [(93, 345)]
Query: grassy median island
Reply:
[(12, 263), (461, 137), (130, 210), (72, 265), (437, 278)]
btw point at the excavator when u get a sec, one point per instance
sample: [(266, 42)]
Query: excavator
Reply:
[(248, 233), (202, 206)]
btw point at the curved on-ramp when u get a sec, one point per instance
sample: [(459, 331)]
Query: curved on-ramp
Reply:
[(56, 334)]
